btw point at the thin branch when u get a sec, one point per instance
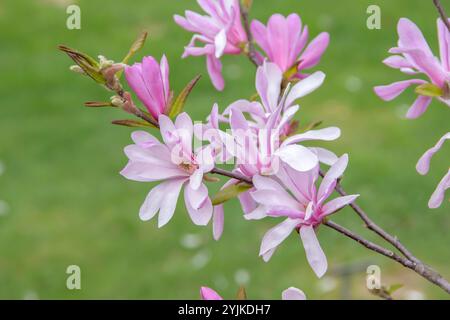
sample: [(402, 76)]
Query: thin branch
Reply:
[(441, 11), (232, 175), (252, 55), (420, 268)]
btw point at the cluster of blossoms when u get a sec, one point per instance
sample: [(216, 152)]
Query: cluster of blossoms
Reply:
[(413, 56), (274, 175), (283, 40), (262, 138)]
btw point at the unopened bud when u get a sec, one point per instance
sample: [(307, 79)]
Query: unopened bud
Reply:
[(77, 69), (104, 62), (117, 101)]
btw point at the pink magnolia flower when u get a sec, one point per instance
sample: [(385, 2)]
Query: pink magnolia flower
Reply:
[(256, 142), (150, 81), (303, 207), (413, 56), (284, 39), (423, 166), (220, 31), (177, 165), (291, 293)]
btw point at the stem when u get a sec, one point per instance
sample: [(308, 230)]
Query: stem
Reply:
[(441, 11), (420, 268), (252, 55), (375, 228), (232, 175)]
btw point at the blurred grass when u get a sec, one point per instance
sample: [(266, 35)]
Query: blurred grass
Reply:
[(68, 204)]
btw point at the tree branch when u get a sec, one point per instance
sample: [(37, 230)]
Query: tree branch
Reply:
[(441, 11), (251, 51), (420, 268)]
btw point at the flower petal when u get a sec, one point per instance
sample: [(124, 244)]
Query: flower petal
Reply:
[(338, 203), (293, 294), (423, 165), (218, 221), (439, 194), (419, 107), (305, 87), (214, 67), (393, 90), (329, 180), (202, 215), (326, 134), (220, 42), (314, 253), (314, 51), (209, 294), (275, 236), (297, 157)]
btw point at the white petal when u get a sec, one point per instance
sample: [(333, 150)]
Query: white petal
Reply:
[(275, 236), (314, 254), (305, 87), (298, 157), (293, 294), (220, 42), (169, 203)]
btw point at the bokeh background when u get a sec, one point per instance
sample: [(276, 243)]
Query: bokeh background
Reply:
[(62, 201)]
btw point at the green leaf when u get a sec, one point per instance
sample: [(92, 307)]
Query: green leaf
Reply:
[(429, 90), (394, 287), (229, 192), (178, 104), (309, 126), (88, 64), (135, 47), (133, 123)]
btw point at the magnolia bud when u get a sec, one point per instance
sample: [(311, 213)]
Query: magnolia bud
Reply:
[(77, 69), (117, 101)]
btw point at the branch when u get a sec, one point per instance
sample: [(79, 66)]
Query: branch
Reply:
[(420, 268), (233, 175), (441, 11), (251, 51)]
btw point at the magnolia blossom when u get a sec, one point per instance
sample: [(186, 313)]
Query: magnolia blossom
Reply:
[(291, 293), (413, 56), (177, 165), (256, 142), (423, 166), (220, 31), (284, 39), (304, 208), (150, 81)]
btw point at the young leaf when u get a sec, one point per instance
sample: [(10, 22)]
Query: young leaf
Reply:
[(429, 90), (98, 104), (135, 47), (178, 104), (230, 192), (132, 123), (88, 64), (394, 287)]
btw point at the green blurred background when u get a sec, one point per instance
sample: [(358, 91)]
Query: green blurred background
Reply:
[(63, 202)]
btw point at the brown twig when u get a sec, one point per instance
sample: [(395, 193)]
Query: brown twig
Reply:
[(420, 268), (441, 11), (251, 51)]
